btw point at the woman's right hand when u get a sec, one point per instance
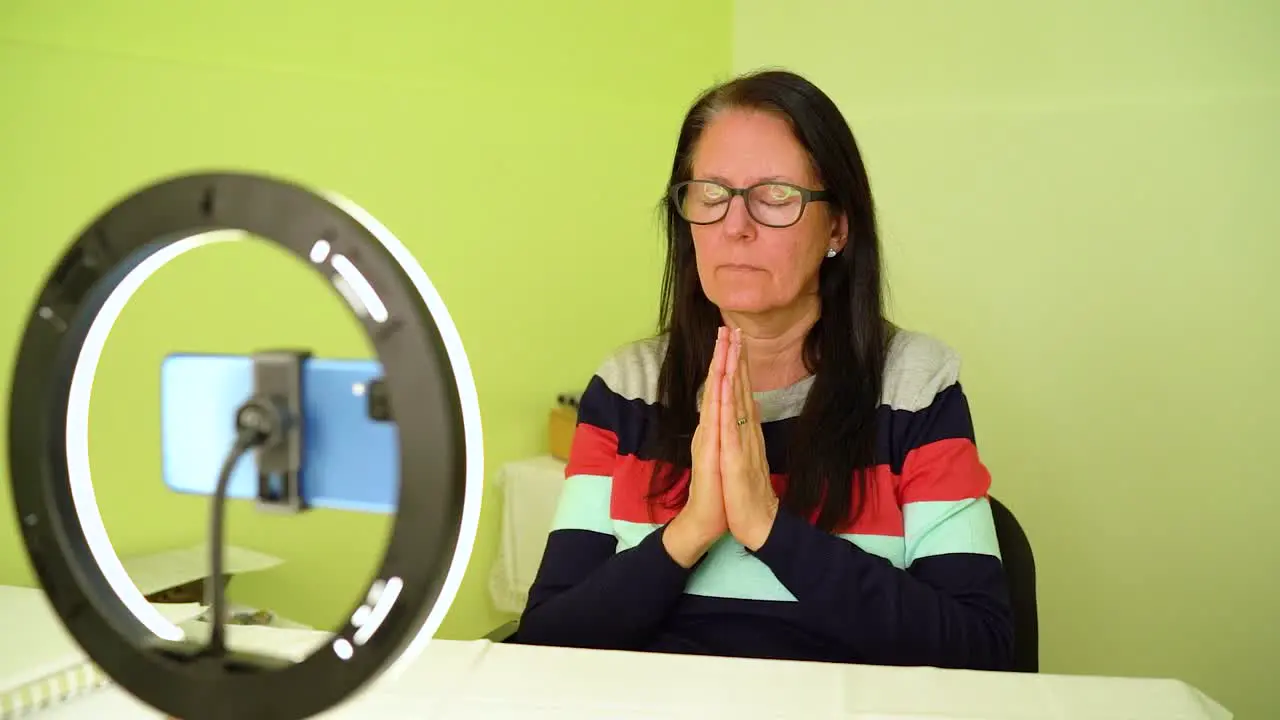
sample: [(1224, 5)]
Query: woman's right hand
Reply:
[(702, 520)]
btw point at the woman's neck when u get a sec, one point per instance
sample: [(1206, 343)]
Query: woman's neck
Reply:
[(775, 343)]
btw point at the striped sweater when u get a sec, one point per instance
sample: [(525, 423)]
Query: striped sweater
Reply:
[(917, 580)]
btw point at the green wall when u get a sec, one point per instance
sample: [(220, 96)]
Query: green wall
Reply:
[(518, 152), (1081, 198), (1078, 197)]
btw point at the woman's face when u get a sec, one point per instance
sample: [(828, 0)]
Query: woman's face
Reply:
[(745, 266)]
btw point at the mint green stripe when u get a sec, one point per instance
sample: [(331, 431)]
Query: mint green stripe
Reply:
[(584, 504), (729, 571), (959, 526), (630, 534)]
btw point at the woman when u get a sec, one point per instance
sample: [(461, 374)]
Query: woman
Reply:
[(780, 473)]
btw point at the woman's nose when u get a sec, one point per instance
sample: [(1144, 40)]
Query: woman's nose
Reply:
[(737, 220)]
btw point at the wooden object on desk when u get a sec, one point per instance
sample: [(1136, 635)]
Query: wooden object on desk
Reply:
[(560, 426)]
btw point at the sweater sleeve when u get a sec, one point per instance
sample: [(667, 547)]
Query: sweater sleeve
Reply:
[(586, 594), (948, 605)]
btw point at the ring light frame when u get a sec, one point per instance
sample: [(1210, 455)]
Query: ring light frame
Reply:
[(429, 382)]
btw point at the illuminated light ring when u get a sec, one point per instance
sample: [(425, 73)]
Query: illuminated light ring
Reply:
[(429, 382)]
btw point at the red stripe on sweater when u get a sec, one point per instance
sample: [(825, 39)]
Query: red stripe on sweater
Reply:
[(631, 486), (593, 452), (943, 470)]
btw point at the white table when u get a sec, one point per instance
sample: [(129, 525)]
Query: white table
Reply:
[(464, 680)]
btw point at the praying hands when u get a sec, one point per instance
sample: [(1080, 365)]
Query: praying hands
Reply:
[(729, 487)]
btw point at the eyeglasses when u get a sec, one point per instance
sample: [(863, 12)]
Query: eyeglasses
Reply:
[(773, 204)]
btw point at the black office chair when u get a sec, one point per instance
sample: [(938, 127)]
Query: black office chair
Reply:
[(1020, 568)]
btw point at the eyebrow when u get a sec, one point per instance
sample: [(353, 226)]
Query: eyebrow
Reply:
[(767, 179)]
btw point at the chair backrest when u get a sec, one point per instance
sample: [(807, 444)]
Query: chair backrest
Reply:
[(1020, 568)]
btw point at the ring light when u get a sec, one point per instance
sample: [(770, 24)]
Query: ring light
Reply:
[(428, 380)]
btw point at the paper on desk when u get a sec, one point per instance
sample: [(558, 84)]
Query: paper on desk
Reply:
[(288, 644), (178, 613), (164, 570)]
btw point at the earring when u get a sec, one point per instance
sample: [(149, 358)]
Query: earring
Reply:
[(831, 252)]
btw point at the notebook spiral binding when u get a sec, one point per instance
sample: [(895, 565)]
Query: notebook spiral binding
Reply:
[(51, 690)]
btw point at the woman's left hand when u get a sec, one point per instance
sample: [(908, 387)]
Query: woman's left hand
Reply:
[(750, 502)]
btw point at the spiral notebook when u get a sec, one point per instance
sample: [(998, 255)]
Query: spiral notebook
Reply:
[(41, 664)]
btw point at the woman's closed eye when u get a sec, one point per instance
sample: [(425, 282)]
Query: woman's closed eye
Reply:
[(777, 195)]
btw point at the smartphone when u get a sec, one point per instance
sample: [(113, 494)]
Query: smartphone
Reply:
[(350, 451)]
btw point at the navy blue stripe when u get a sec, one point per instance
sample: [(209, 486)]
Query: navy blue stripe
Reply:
[(901, 431), (744, 628), (570, 556), (965, 576), (586, 596), (630, 419), (898, 431), (791, 630), (602, 407), (954, 614)]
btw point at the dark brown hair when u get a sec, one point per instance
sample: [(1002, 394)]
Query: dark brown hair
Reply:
[(833, 442)]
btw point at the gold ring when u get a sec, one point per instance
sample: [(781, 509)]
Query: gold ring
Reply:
[(742, 421)]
